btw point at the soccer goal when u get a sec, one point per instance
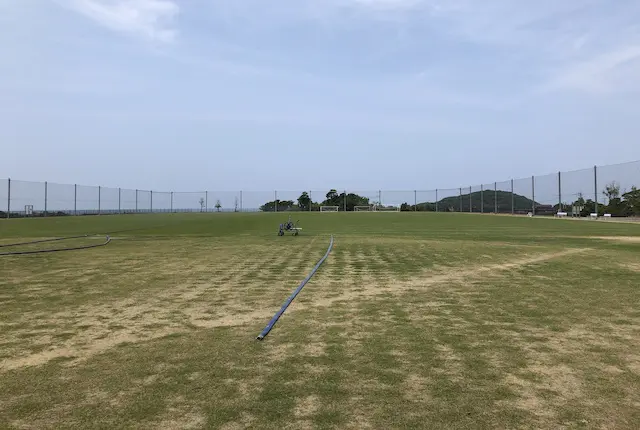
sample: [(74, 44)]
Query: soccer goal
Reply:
[(363, 208), (329, 208), (387, 209)]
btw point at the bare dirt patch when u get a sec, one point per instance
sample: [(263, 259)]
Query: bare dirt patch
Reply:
[(307, 406), (623, 239), (427, 278)]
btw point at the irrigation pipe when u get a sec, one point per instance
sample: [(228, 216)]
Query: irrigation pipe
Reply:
[(286, 304), (74, 248), (43, 251)]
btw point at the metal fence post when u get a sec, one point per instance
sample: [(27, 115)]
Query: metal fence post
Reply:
[(45, 198), (171, 201), (99, 198), (75, 199), (595, 187), (345, 200), (206, 201), (275, 200), (241, 203), (495, 197), (481, 199), (470, 203), (119, 200), (436, 200), (533, 195), (9, 198), (415, 200), (136, 201), (460, 199), (513, 200), (559, 192), (151, 201)]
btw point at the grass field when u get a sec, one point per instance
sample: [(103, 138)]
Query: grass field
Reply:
[(414, 321)]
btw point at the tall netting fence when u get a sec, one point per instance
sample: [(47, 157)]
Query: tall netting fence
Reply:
[(60, 198), (617, 180), (190, 201), (87, 200), (523, 190), (397, 199), (505, 197), (4, 198), (546, 194), (577, 187), (424, 200), (598, 189), (27, 197), (447, 200), (256, 201), (109, 200)]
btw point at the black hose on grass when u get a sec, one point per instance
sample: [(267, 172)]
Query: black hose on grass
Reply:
[(75, 248), (286, 304), (43, 251), (7, 245)]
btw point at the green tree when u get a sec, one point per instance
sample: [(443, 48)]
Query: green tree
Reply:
[(283, 205), (632, 201), (304, 201)]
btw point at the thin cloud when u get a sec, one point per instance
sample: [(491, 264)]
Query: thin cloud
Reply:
[(151, 19)]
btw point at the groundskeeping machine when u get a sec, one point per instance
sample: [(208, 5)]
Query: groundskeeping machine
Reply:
[(290, 227)]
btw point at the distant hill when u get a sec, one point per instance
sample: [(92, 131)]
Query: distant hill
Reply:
[(478, 199)]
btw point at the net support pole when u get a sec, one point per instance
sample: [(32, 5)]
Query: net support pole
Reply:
[(99, 198), (513, 200), (75, 199), (9, 198), (559, 191), (415, 200), (206, 201), (241, 202), (460, 199), (481, 199), (470, 204), (151, 204), (45, 198), (436, 200), (136, 201), (171, 201), (495, 197), (119, 200), (533, 195), (595, 187)]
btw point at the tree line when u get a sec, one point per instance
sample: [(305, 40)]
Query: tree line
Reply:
[(618, 203)]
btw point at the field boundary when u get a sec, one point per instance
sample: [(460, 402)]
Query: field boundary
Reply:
[(286, 304)]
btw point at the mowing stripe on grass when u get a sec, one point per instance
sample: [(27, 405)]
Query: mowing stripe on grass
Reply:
[(286, 304)]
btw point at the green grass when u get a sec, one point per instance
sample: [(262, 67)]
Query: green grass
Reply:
[(415, 320)]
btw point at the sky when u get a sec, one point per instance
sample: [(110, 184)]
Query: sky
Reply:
[(312, 95)]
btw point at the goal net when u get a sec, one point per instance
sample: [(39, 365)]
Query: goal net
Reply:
[(387, 208), (329, 208), (363, 208)]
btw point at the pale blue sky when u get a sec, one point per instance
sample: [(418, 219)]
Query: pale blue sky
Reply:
[(300, 94)]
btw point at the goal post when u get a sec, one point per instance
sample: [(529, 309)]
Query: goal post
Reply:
[(329, 208), (382, 208), (369, 208)]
